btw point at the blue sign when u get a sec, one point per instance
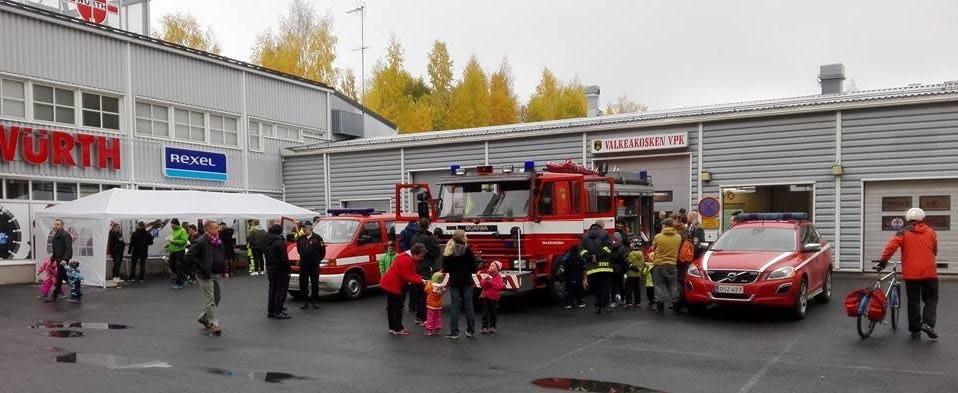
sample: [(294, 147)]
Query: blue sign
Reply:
[(194, 164)]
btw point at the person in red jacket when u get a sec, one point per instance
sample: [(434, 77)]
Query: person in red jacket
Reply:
[(919, 248), (491, 288), (401, 273)]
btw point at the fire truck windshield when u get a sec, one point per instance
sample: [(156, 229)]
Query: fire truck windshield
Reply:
[(508, 199), (336, 231)]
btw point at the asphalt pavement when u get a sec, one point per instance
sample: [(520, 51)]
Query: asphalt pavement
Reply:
[(155, 345)]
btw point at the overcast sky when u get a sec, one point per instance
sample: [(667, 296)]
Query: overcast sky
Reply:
[(664, 54)]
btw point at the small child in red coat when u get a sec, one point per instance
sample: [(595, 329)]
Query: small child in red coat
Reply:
[(492, 285)]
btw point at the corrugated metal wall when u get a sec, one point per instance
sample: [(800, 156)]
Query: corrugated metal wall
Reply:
[(21, 167), (898, 142), (303, 176), (49, 51), (276, 100), (776, 150), (176, 78), (363, 175), (556, 148), (440, 157), (149, 164)]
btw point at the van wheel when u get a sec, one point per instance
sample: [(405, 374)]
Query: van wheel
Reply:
[(800, 308), (353, 286), (826, 295)]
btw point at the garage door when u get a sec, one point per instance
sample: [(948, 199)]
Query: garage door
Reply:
[(885, 206), (670, 178), (380, 205)]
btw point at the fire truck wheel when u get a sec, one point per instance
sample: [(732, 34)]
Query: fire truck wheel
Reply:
[(353, 286)]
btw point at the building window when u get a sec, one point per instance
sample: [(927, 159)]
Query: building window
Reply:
[(662, 196), (53, 104), (152, 120), (600, 197), (895, 204), (87, 189), (12, 99), (223, 130), (934, 202), (939, 223), (101, 111), (255, 135), (42, 190), (190, 126), (66, 191), (17, 189), (288, 133)]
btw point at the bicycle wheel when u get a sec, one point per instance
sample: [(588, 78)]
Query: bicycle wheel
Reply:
[(865, 326), (895, 305)]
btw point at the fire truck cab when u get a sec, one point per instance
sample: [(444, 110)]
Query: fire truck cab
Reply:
[(527, 219)]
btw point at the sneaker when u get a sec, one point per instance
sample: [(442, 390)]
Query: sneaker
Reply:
[(74, 300), (304, 306), (470, 335), (930, 331), (142, 280), (569, 307), (581, 305), (315, 305), (50, 299), (916, 335), (492, 330), (215, 331), (452, 336), (485, 331), (404, 332), (282, 316)]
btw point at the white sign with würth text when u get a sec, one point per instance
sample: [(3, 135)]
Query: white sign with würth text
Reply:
[(641, 143)]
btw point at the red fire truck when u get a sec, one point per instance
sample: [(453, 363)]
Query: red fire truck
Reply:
[(527, 219)]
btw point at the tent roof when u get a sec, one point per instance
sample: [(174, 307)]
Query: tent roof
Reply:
[(118, 203)]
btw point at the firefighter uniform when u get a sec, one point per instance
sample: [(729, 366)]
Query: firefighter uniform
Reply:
[(596, 250)]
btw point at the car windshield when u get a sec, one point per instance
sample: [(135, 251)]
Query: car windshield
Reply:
[(756, 239), (336, 231), (485, 200)]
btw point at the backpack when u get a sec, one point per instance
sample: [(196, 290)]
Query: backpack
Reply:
[(877, 305), (686, 251), (853, 301)]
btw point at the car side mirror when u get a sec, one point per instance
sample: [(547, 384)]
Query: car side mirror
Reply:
[(812, 247), (363, 239)]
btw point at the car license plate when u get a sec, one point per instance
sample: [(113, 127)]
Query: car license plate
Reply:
[(730, 289)]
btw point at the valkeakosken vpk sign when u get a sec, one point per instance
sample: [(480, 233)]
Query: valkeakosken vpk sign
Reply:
[(194, 164)]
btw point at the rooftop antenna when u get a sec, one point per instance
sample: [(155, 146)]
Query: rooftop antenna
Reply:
[(361, 9)]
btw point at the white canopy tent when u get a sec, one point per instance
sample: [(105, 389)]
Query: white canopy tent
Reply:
[(88, 219)]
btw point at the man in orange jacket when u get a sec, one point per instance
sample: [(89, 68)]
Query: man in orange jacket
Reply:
[(919, 248)]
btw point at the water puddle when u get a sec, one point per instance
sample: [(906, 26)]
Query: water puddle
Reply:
[(75, 324), (588, 385), (65, 333), (268, 376), (112, 362)]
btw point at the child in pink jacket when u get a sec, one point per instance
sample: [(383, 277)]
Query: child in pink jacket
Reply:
[(492, 285)]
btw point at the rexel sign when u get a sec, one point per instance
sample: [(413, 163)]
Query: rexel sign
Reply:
[(194, 164)]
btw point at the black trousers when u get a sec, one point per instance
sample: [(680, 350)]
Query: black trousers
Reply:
[(309, 282), (278, 285), (650, 293), (922, 291), (394, 305), (117, 263), (680, 269), (574, 293), (615, 285), (61, 278), (407, 293), (417, 293), (490, 313), (141, 261), (599, 282), (259, 259), (633, 290), (178, 267)]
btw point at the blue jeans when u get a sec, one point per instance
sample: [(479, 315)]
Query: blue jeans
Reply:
[(460, 296)]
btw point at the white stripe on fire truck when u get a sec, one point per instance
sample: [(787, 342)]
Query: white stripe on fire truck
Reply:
[(774, 261), (531, 228), (352, 260)]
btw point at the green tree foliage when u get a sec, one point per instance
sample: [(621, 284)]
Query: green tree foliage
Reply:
[(303, 45), (555, 100)]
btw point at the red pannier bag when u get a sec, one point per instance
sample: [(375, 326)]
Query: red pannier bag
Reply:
[(877, 305), (854, 300)]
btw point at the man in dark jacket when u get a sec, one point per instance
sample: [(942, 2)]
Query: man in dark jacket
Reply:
[(140, 241), (426, 267), (115, 246), (460, 263), (311, 250), (229, 245), (277, 271), (620, 263), (62, 247), (405, 237), (207, 260), (574, 271), (256, 241), (596, 250)]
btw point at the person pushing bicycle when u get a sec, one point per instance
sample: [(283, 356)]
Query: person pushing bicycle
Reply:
[(919, 248)]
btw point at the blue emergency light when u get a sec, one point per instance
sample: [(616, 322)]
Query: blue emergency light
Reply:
[(456, 170), (529, 166), (339, 212), (793, 216), (644, 175)]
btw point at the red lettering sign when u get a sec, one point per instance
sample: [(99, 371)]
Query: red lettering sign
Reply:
[(58, 147), (638, 143), (95, 10)]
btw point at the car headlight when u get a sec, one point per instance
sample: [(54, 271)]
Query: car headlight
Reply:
[(694, 271), (782, 272)]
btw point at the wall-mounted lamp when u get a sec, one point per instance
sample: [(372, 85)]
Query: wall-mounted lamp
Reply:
[(837, 170), (705, 176)]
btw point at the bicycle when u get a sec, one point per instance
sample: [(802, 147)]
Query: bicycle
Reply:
[(893, 293)]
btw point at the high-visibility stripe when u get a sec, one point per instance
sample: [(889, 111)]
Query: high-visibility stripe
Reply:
[(599, 270)]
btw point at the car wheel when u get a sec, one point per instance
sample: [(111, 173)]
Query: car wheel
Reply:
[(826, 295), (353, 286), (296, 294), (800, 308)]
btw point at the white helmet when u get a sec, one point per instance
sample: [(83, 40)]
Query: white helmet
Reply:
[(915, 214)]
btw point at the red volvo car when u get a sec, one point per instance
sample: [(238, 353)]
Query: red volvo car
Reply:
[(770, 259)]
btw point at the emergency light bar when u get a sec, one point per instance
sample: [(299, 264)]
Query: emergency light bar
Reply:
[(456, 170), (484, 169), (338, 212), (529, 166), (771, 217)]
